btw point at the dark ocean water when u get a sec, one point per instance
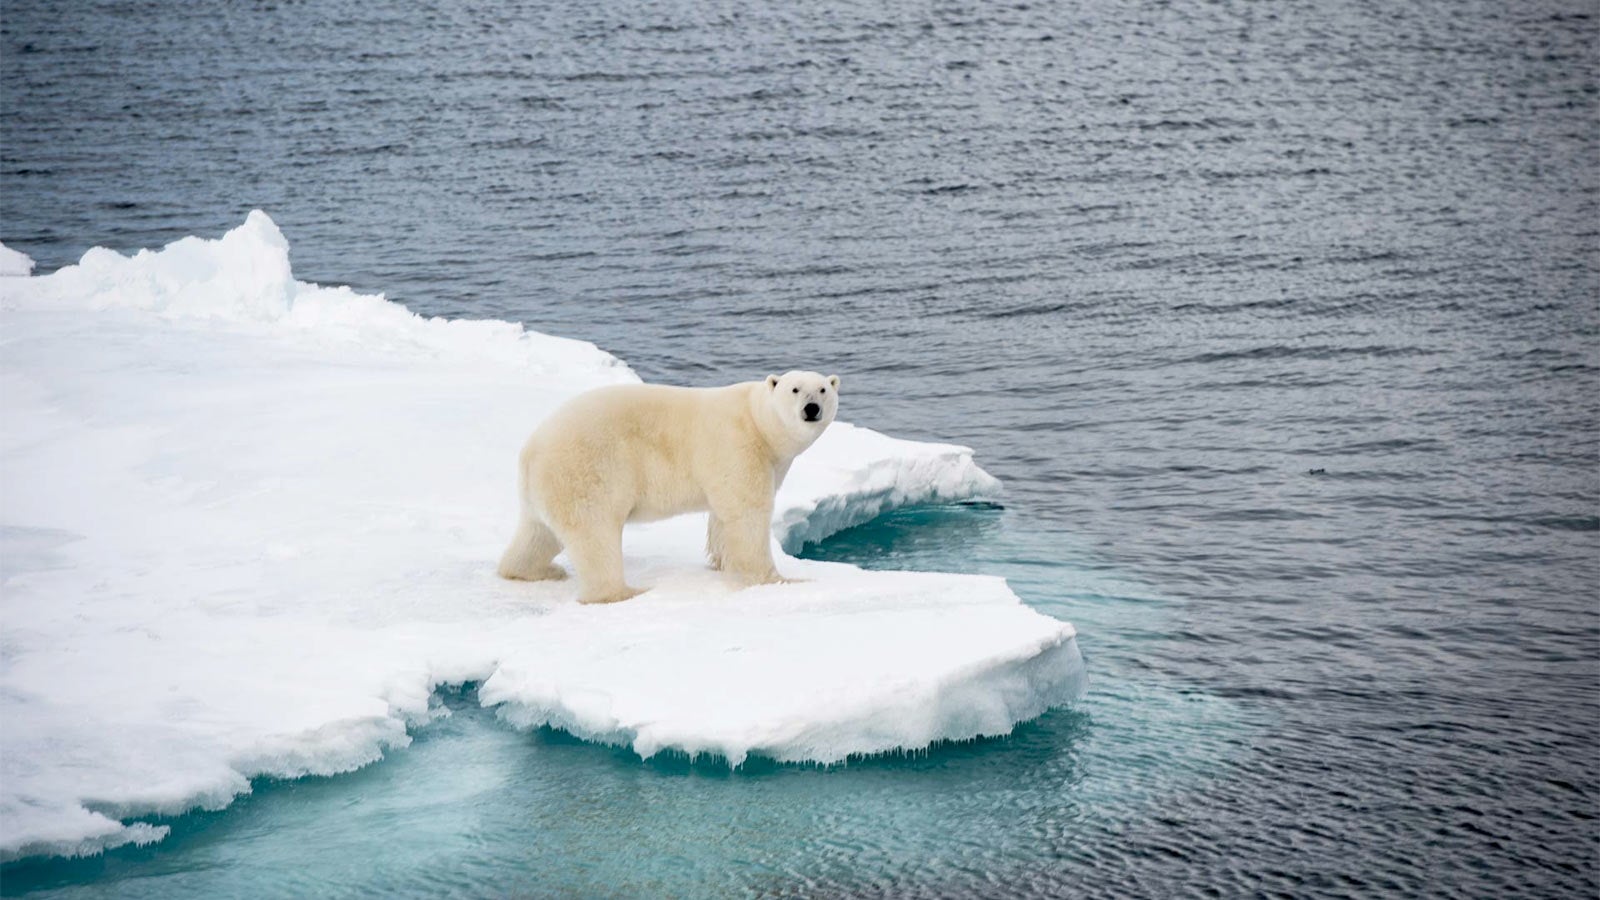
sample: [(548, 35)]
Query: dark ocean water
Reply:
[(1281, 324)]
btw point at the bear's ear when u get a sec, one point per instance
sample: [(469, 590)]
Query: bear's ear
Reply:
[(834, 380), (772, 381)]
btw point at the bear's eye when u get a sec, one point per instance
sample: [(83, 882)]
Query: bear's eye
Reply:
[(797, 390), (824, 390)]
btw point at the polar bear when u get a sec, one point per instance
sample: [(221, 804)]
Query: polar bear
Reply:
[(641, 452)]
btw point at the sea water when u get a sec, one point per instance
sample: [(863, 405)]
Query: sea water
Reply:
[(1279, 324)]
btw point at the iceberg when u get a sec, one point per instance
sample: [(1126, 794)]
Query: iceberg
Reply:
[(248, 526)]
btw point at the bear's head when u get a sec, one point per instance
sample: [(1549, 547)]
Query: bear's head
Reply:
[(803, 403)]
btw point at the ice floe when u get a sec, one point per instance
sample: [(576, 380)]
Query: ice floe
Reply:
[(249, 524)]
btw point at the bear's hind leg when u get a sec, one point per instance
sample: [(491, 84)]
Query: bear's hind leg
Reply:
[(716, 548), (596, 553), (528, 556)]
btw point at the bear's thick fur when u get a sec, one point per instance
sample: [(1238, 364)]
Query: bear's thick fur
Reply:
[(636, 453)]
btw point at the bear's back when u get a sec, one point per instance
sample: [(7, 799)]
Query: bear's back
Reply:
[(671, 420)]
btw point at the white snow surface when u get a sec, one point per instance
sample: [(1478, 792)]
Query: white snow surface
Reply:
[(249, 524), (13, 262)]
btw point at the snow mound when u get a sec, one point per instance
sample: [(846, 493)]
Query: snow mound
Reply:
[(244, 278), (249, 524), (14, 263)]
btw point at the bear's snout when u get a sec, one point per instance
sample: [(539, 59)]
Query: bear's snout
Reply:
[(811, 412)]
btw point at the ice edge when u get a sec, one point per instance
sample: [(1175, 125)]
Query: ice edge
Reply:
[(1030, 684)]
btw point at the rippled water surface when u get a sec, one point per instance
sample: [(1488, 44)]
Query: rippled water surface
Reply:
[(1278, 321)]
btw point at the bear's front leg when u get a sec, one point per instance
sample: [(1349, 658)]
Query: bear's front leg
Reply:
[(741, 507), (747, 548)]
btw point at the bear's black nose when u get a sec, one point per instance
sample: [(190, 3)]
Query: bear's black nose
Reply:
[(811, 412)]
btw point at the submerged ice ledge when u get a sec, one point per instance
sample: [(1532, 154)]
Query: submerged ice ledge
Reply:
[(249, 525)]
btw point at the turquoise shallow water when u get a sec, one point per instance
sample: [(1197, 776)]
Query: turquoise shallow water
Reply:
[(477, 808)]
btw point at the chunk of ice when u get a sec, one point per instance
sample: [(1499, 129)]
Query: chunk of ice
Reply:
[(13, 262)]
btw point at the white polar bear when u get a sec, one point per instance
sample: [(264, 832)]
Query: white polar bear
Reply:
[(636, 453)]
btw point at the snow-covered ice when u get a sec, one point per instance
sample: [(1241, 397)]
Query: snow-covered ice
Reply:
[(249, 524), (14, 263)]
